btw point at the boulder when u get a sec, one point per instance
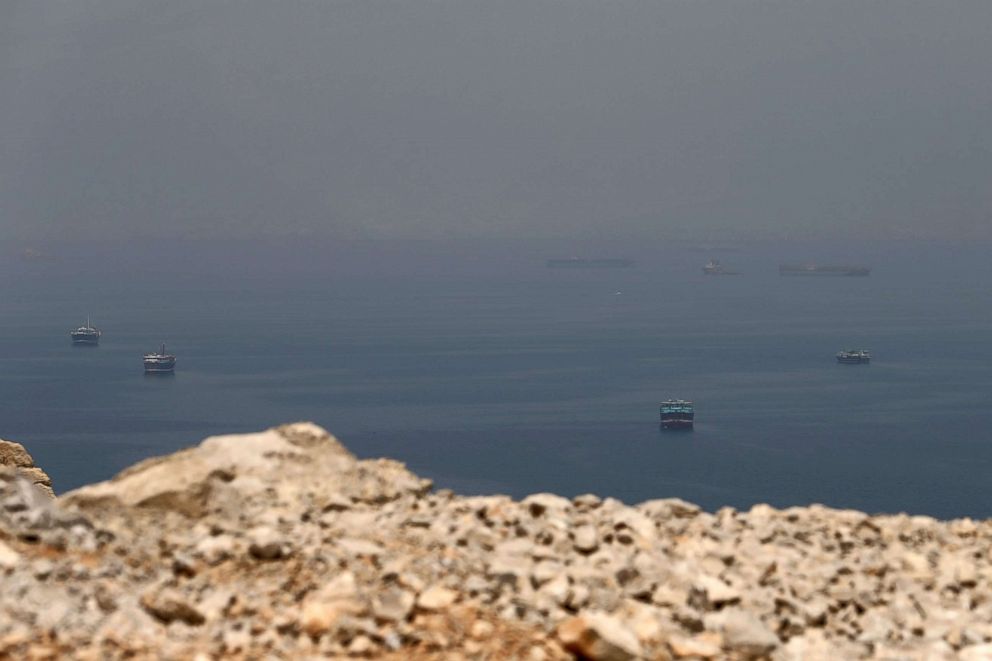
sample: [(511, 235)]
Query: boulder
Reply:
[(13, 455), (8, 557), (585, 539), (331, 604), (743, 632), (171, 606), (29, 512), (436, 598), (598, 636)]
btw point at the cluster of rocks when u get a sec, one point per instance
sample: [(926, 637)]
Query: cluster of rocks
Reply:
[(281, 544)]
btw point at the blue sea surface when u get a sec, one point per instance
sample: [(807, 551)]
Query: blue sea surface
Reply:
[(490, 373)]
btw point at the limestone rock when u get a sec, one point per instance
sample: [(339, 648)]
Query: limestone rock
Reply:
[(709, 593), (393, 604), (702, 646), (436, 598), (8, 557), (743, 632), (183, 482), (171, 606), (669, 508), (540, 503), (587, 501), (14, 455), (215, 549), (599, 637), (357, 548), (981, 652), (267, 544), (29, 513), (586, 539), (333, 603)]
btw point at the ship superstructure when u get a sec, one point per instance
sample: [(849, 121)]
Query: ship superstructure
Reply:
[(676, 414), (853, 357)]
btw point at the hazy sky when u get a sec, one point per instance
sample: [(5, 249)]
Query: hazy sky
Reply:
[(496, 118)]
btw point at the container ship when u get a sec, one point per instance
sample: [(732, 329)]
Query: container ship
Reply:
[(582, 263), (853, 357), (85, 335), (676, 414), (816, 269), (161, 362)]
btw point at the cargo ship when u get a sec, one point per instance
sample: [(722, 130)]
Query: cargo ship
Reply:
[(853, 357), (161, 362), (816, 269), (85, 335), (714, 267), (582, 263), (676, 414)]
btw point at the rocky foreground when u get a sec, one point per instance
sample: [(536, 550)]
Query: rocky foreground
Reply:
[(282, 545)]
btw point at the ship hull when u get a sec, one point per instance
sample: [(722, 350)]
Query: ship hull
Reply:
[(841, 271), (85, 341), (158, 367), (676, 414), (854, 361)]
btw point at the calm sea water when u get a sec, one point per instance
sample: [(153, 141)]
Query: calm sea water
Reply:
[(488, 372)]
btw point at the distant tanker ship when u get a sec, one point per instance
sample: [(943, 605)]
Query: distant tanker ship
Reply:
[(714, 267), (854, 357), (582, 263), (816, 269)]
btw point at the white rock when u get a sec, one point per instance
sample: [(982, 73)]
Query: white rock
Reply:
[(545, 571), (215, 549), (597, 636), (180, 481), (586, 540), (981, 652), (9, 558), (323, 609), (710, 593), (359, 547), (540, 503), (558, 589), (742, 631), (267, 544), (706, 645), (393, 604), (436, 598)]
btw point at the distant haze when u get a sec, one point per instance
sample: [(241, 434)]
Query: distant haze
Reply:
[(579, 119)]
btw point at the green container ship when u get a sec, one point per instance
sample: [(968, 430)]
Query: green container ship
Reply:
[(677, 414)]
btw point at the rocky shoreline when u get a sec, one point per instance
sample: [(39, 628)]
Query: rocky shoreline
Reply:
[(281, 544)]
